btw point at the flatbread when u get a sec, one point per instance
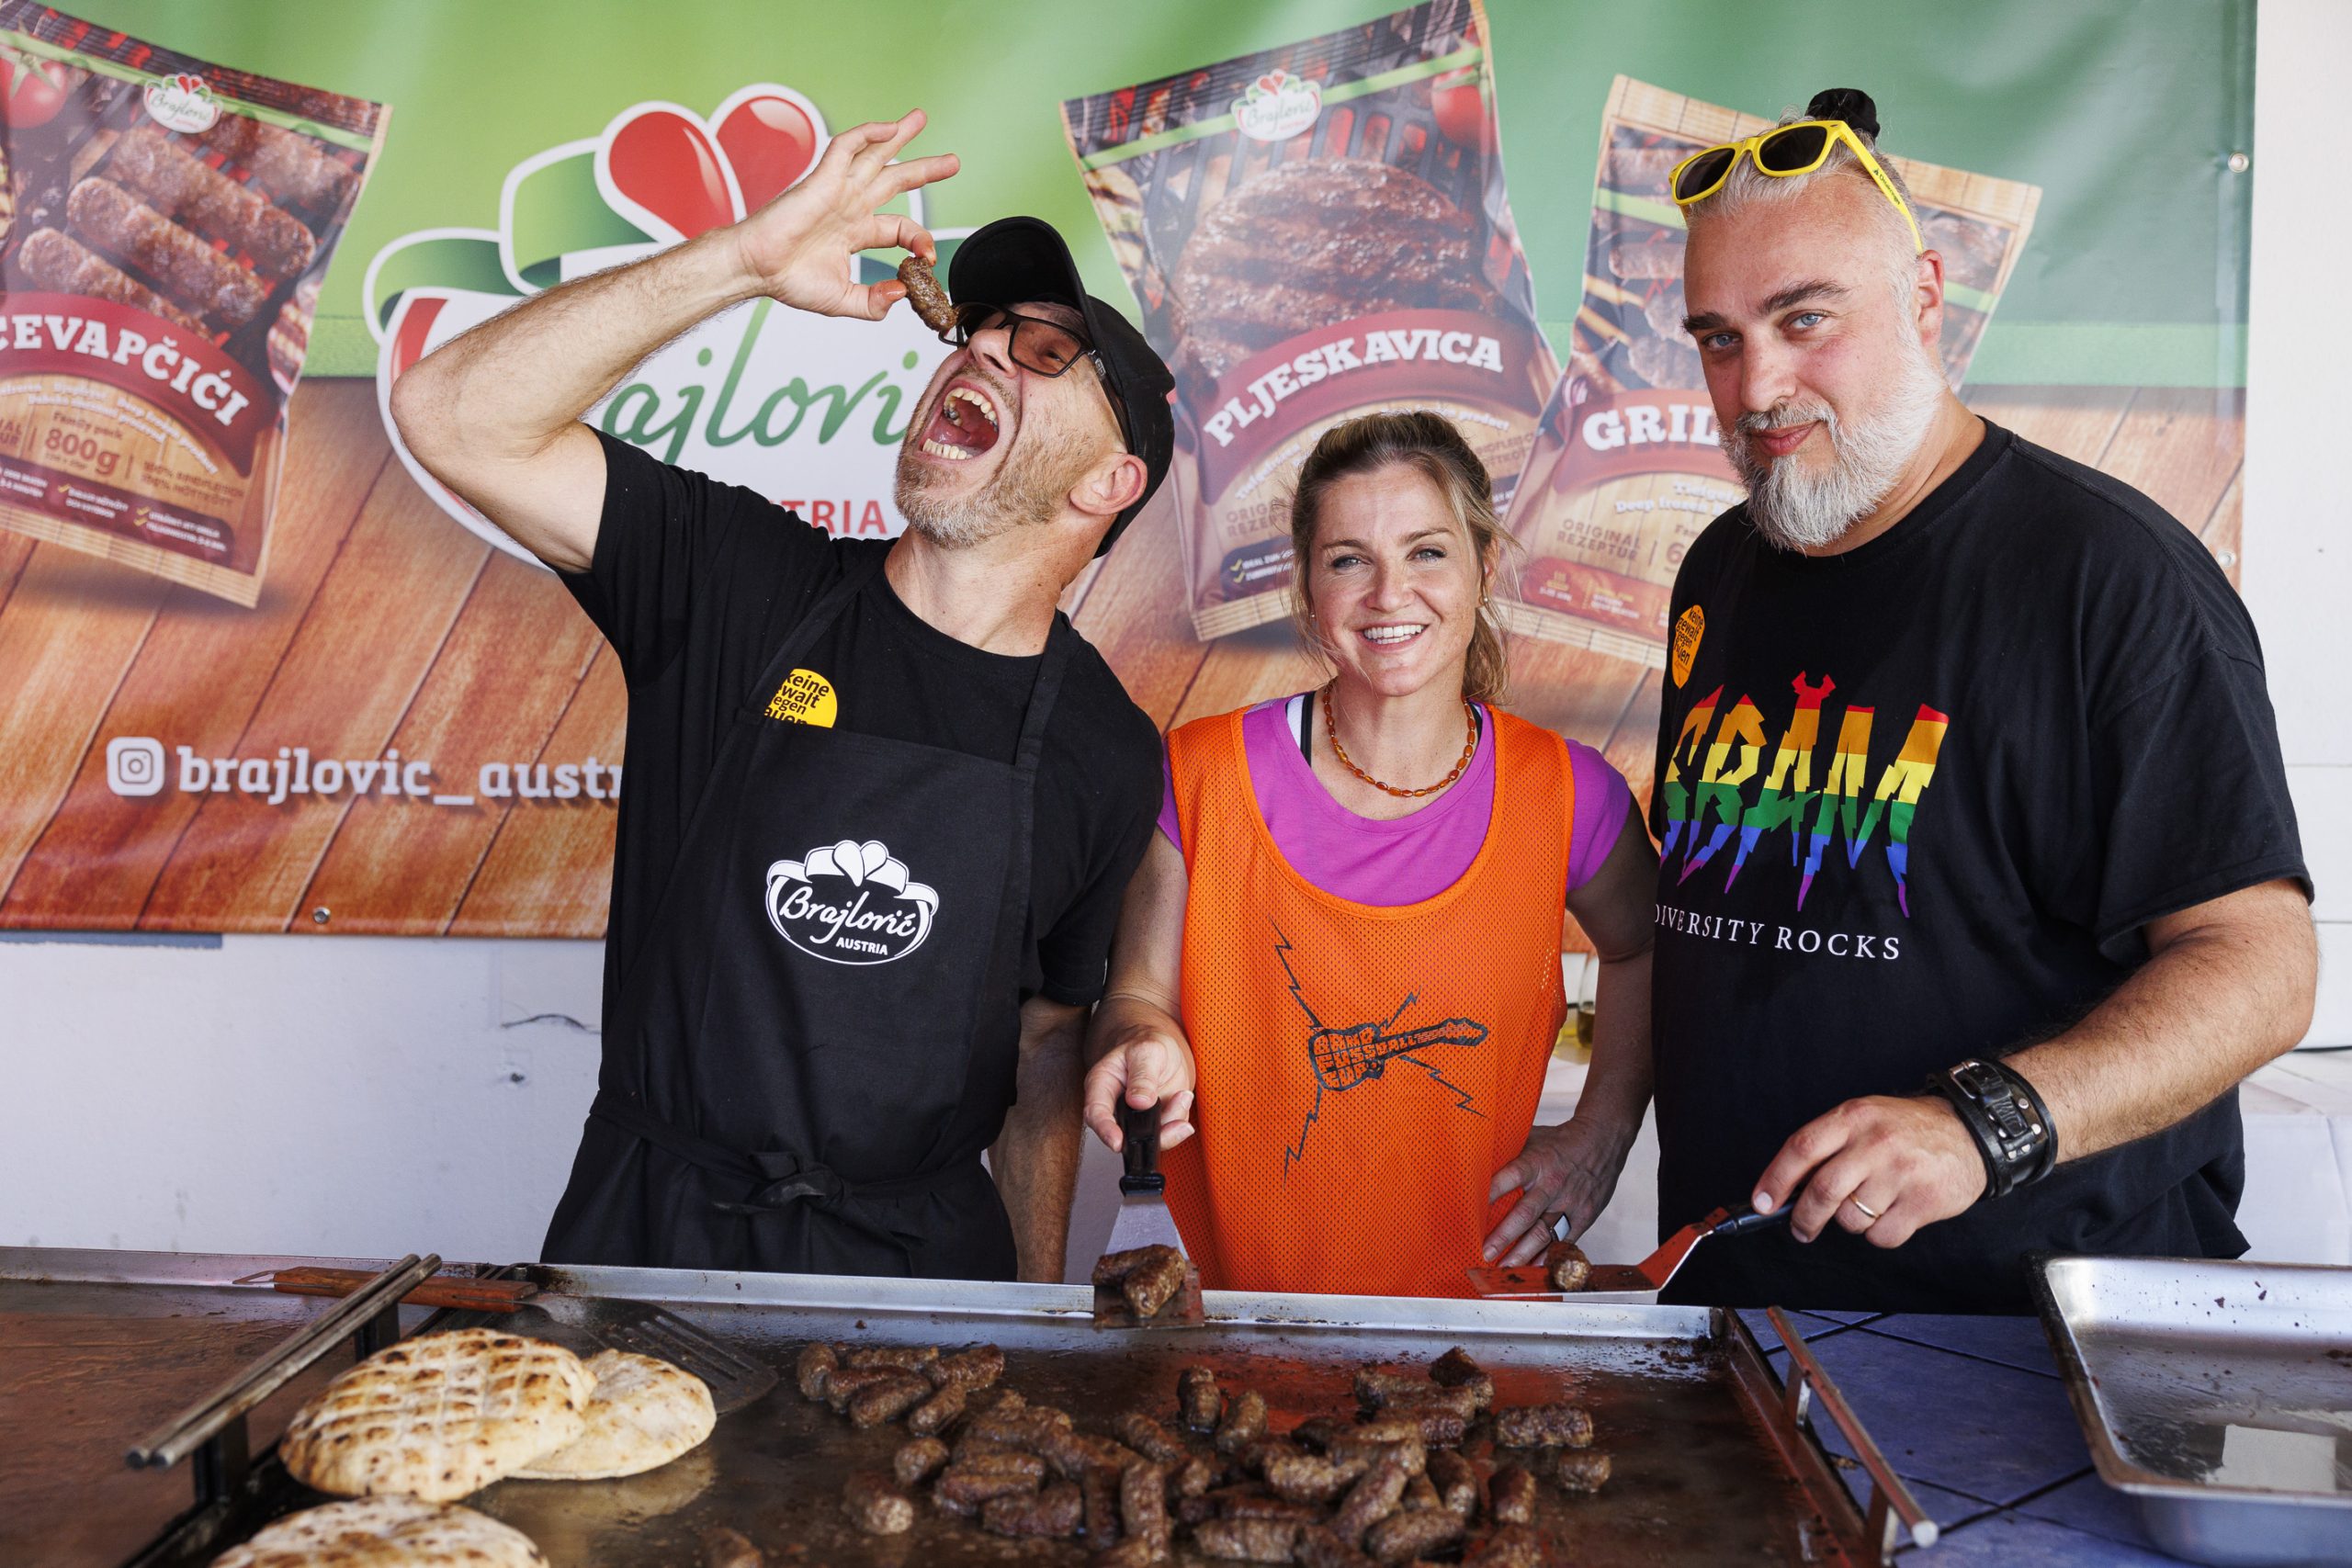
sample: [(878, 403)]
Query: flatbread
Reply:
[(438, 1417), (644, 1413), (386, 1532)]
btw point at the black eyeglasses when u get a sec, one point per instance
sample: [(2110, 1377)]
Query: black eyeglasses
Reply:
[(1039, 345)]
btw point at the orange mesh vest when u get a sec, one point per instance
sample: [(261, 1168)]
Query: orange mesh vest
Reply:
[(1363, 1072)]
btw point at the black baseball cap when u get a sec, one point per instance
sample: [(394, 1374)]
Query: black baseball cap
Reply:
[(1016, 259)]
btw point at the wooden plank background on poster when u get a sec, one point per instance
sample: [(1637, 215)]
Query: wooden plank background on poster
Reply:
[(383, 624)]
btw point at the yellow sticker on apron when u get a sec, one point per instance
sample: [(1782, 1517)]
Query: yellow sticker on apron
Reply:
[(806, 698), (1688, 630)]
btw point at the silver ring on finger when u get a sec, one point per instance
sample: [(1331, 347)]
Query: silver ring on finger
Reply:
[(1868, 1212), (1557, 1225)]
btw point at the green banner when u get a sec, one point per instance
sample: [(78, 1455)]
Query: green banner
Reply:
[(2128, 117)]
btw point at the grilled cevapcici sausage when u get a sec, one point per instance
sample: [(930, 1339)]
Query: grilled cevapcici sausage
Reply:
[(1580, 1470), (288, 166), (1143, 1503), (1319, 1548), (1543, 1427), (818, 1361), (1056, 1511), (930, 301), (1148, 1438), (977, 1368), (1455, 1481), (918, 1461), (200, 195), (1511, 1496), (1412, 1533), (1245, 1422), (1571, 1269), (937, 1413), (1154, 1282), (888, 1400), (57, 261), (1315, 1478), (1248, 1541), (968, 1483), (1199, 1398), (875, 1505), (1373, 1498), (186, 269)]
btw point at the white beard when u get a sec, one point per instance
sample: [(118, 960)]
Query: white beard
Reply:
[(1798, 510)]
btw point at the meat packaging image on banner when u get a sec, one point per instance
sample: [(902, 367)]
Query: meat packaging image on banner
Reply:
[(261, 673), (1626, 468), (1315, 232), (171, 223)]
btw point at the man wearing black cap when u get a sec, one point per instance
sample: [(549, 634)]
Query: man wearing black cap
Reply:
[(882, 799)]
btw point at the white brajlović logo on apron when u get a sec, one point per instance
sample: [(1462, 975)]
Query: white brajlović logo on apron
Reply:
[(850, 903)]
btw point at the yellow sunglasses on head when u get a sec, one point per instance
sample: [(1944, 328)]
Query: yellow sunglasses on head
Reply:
[(1783, 151)]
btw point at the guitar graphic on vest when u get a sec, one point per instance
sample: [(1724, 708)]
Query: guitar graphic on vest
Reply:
[(1349, 1056)]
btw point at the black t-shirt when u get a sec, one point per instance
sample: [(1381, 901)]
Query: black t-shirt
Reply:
[(696, 584), (1916, 802)]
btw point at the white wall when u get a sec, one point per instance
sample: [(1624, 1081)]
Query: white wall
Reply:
[(364, 1097), (2298, 573)]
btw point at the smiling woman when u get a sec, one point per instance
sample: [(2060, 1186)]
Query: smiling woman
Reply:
[(1372, 878)]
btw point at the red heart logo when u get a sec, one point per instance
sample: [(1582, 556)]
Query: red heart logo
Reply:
[(666, 163), (771, 142)]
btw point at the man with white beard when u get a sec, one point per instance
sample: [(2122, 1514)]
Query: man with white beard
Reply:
[(1981, 887), (883, 801)]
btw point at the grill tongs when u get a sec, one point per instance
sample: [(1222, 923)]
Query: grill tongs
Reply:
[(1644, 1280)]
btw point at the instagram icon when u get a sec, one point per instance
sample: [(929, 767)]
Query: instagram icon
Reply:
[(134, 765)]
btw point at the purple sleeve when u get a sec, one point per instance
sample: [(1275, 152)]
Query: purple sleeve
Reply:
[(1603, 798), (1170, 826)]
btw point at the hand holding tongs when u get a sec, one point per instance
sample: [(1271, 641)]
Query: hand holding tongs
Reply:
[(1534, 1281)]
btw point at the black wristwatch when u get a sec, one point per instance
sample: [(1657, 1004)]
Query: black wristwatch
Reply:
[(2006, 1117)]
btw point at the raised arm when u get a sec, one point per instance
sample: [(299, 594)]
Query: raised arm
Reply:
[(495, 414), (1136, 1046)]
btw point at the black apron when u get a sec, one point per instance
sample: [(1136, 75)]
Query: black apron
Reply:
[(820, 1036)]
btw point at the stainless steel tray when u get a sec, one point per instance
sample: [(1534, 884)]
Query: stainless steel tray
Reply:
[(2218, 1395)]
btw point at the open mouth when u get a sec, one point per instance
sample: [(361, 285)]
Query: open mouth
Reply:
[(1390, 636), (963, 426)]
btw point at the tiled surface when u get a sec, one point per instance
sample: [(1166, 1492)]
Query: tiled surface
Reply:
[(2011, 1540), (2012, 1341), (2088, 1504), (1810, 1325), (1949, 1509), (1977, 1427)]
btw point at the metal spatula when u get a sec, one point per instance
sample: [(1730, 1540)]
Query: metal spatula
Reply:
[(580, 1323), (1144, 1221), (1650, 1276), (735, 1380)]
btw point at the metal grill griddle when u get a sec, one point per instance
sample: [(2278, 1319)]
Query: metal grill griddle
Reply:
[(1709, 1465), (1680, 1397)]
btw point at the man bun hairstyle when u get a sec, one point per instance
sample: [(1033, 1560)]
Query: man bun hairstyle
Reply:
[(1428, 444), (1747, 185)]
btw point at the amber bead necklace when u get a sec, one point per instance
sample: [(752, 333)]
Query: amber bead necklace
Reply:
[(1469, 748)]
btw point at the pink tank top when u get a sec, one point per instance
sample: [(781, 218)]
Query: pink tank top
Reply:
[(1406, 858)]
